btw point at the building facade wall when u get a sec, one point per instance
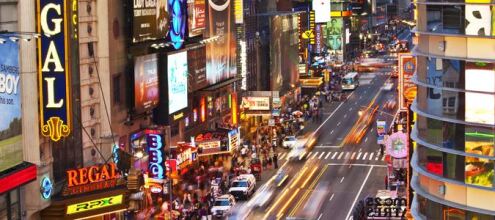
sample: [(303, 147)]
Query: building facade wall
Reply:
[(454, 158)]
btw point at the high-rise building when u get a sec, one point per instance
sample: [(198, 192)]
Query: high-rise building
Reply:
[(453, 160)]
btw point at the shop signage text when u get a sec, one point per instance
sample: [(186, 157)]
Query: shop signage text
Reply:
[(53, 68), (156, 161), (256, 103), (94, 204), (91, 178)]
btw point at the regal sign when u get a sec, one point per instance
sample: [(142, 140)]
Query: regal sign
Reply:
[(91, 178), (53, 68)]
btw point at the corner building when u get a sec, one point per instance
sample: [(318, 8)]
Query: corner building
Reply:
[(453, 160)]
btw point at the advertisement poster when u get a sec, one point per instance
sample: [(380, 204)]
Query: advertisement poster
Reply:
[(479, 172), (145, 83), (178, 22), (196, 63), (256, 103), (479, 140), (407, 89), (434, 77), (322, 10), (221, 53), (10, 106), (381, 127), (150, 20), (333, 33), (177, 81), (480, 108), (196, 11), (397, 145)]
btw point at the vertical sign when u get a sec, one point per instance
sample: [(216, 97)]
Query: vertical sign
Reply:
[(239, 12), (318, 39), (156, 169), (53, 68), (312, 26), (407, 89)]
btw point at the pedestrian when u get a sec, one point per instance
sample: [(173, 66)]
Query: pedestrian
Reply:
[(381, 149), (275, 160)]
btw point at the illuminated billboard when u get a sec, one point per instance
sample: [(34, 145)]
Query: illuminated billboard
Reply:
[(95, 204), (196, 64), (221, 53), (53, 73), (196, 11), (480, 107), (146, 83), (150, 20), (178, 16), (407, 89), (333, 34), (322, 10), (10, 106), (177, 81)]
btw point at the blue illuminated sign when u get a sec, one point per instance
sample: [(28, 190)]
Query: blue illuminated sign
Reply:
[(156, 165), (53, 68), (46, 188), (178, 16)]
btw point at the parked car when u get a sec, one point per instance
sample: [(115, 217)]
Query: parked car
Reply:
[(243, 186), (289, 141), (222, 206)]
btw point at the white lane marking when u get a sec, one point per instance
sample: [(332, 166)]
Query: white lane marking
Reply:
[(364, 156), (326, 157), (371, 155), (338, 123), (347, 155), (331, 132), (366, 139), (353, 155), (331, 197), (334, 155), (345, 116), (342, 180), (371, 130), (319, 217), (314, 155), (321, 155), (309, 154), (359, 193), (340, 155), (360, 97), (376, 158), (359, 155), (350, 109), (327, 146), (356, 164), (328, 118)]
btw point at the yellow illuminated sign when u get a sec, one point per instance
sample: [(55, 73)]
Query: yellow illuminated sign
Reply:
[(178, 116), (94, 204), (238, 11)]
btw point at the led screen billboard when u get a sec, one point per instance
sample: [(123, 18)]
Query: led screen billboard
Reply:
[(196, 11), (221, 53), (333, 33), (178, 16), (150, 20), (480, 107), (196, 64), (10, 106), (177, 81), (145, 83)]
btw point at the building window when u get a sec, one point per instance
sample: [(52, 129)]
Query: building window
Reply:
[(10, 206)]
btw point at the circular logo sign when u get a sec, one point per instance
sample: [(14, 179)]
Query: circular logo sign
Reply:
[(397, 145), (409, 66), (46, 188)]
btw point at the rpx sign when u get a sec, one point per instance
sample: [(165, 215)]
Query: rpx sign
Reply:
[(53, 69), (94, 204)]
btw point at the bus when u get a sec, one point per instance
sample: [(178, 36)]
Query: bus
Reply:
[(350, 81)]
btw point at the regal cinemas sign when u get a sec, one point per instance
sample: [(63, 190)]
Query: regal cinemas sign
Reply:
[(91, 178), (54, 66)]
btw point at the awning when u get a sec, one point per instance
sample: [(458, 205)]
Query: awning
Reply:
[(17, 176), (313, 82)]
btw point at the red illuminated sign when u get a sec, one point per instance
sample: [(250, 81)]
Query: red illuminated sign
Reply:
[(17, 178), (91, 178)]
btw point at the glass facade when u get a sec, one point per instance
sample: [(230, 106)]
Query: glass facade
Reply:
[(455, 106), (10, 206)]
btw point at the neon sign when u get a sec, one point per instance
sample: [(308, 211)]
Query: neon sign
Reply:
[(46, 188), (53, 67), (94, 204), (155, 159), (91, 178)]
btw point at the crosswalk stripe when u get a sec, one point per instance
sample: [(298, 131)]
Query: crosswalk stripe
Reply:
[(364, 156), (383, 158), (340, 155), (353, 155), (326, 157), (347, 155), (359, 155), (371, 155), (314, 155), (321, 155), (282, 155), (309, 154), (376, 158), (334, 155)]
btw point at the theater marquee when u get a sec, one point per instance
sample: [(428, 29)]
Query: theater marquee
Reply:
[(53, 69)]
